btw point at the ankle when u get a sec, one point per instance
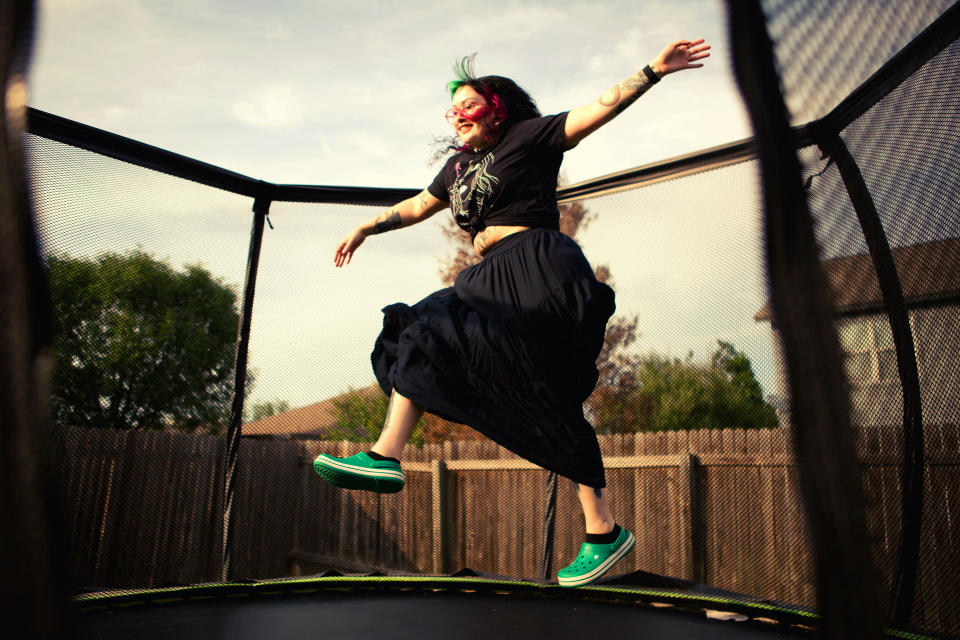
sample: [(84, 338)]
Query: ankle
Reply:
[(601, 526), (605, 538), (382, 458), (387, 452)]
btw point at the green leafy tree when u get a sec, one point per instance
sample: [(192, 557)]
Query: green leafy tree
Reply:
[(261, 410), (673, 394), (141, 345), (360, 413)]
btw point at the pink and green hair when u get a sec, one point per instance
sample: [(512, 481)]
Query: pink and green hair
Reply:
[(509, 102)]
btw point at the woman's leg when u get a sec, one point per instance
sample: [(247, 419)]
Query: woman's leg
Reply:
[(596, 511), (606, 543), (402, 416)]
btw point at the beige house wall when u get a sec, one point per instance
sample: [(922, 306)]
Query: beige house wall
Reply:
[(880, 402)]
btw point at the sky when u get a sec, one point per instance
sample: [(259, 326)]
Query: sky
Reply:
[(352, 93)]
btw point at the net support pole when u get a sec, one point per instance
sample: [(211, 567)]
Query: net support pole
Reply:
[(905, 575), (823, 440), (261, 207), (34, 563), (549, 526)]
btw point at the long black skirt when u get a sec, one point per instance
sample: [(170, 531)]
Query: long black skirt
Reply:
[(510, 350)]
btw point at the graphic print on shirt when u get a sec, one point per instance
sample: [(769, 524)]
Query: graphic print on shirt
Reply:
[(470, 193)]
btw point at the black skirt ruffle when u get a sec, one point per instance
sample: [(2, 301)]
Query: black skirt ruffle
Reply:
[(510, 350)]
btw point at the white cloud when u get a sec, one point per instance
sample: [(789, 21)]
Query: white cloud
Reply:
[(116, 112), (324, 144), (272, 106)]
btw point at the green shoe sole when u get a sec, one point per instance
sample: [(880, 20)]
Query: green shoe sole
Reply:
[(360, 473), (594, 560)]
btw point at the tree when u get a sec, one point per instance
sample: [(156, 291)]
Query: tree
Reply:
[(141, 345), (360, 413), (674, 394), (261, 410)]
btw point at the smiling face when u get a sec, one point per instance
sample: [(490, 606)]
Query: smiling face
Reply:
[(472, 118)]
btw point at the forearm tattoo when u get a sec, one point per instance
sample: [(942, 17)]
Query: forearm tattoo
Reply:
[(627, 92), (387, 221), (611, 97)]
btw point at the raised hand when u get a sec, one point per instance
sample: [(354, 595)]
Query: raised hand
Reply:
[(682, 54), (345, 250)]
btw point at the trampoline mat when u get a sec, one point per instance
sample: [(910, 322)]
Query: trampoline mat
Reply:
[(421, 616)]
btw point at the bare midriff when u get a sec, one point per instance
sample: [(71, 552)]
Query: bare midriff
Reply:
[(492, 236)]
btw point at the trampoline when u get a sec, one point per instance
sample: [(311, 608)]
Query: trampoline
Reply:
[(840, 521), (437, 607)]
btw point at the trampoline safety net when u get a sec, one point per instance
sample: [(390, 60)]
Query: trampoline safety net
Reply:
[(149, 269)]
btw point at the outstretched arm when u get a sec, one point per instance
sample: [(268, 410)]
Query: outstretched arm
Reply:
[(410, 211), (678, 56)]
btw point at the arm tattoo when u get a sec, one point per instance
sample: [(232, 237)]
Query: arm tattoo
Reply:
[(639, 84), (620, 96), (610, 97), (387, 221), (422, 199)]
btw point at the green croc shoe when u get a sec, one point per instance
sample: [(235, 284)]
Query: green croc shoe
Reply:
[(360, 471), (594, 560)]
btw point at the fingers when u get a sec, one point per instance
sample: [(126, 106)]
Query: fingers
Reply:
[(691, 46), (344, 252), (688, 43), (343, 258), (685, 54), (342, 255), (695, 53), (699, 53)]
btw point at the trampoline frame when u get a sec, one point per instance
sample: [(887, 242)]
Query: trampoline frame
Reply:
[(763, 613)]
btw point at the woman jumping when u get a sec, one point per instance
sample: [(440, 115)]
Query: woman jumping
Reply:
[(510, 350)]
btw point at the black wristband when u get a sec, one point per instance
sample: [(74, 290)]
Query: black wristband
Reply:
[(651, 74)]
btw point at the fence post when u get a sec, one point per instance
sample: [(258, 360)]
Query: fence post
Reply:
[(438, 475), (303, 459), (691, 519)]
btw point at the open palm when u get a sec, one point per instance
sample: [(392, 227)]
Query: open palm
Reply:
[(682, 54)]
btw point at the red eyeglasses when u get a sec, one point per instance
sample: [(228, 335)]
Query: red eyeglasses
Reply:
[(469, 109)]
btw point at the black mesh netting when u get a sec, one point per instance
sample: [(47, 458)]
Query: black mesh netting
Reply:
[(906, 147), (691, 409), (826, 49)]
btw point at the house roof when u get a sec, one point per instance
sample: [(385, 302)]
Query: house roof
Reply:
[(316, 421), (929, 272), (313, 421)]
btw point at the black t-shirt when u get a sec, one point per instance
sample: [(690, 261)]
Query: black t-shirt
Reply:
[(512, 183)]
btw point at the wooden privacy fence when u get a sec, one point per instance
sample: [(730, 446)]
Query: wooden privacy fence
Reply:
[(718, 507)]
